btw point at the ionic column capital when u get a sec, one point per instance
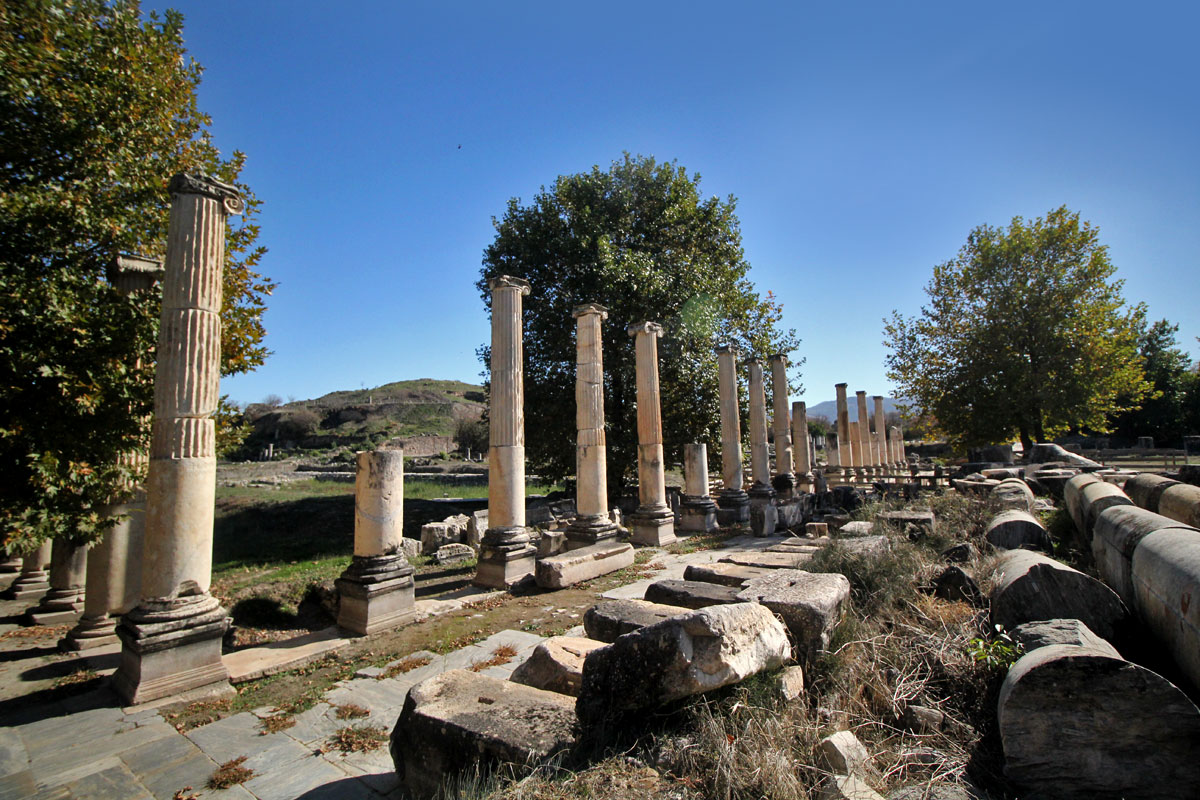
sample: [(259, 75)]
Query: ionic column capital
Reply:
[(646, 327), (202, 184), (590, 308), (727, 350), (776, 358), (508, 282)]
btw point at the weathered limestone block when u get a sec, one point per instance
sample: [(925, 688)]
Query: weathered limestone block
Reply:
[(1051, 453), (453, 721), (1146, 489), (556, 665), (955, 585), (1014, 493), (856, 528), (902, 519), (609, 619), (847, 787), (1044, 633), (790, 684), (1013, 530), (723, 574), (1166, 583), (1081, 722), (775, 560), (691, 594), (816, 529), (551, 543), (565, 569), (1118, 532), (453, 553), (679, 657), (844, 754), (436, 534), (866, 546), (811, 604), (1181, 502), (1029, 586), (477, 525)]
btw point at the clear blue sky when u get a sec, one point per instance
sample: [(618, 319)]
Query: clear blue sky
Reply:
[(862, 140)]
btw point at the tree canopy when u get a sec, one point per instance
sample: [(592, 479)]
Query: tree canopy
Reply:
[(98, 108), (641, 240), (1172, 408), (1025, 333)]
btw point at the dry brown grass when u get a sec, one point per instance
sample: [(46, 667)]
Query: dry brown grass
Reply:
[(275, 724), (501, 655), (359, 738), (231, 773), (404, 665), (351, 711)]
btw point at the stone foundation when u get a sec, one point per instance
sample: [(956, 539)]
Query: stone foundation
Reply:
[(376, 594)]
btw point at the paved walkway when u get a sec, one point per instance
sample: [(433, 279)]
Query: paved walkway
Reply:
[(88, 748)]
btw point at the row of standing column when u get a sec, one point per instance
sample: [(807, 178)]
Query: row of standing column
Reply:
[(861, 454)]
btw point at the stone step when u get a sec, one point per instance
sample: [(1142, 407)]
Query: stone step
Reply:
[(574, 566), (769, 560), (723, 574)]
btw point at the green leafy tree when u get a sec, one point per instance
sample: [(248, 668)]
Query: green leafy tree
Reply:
[(639, 239), (1025, 333), (98, 108), (1164, 411)]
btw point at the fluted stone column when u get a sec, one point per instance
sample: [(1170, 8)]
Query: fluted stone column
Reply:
[(376, 592), (732, 501), (864, 434), (654, 522), (63, 604), (171, 642), (785, 456), (592, 523), (845, 448), (34, 580), (763, 513), (505, 555), (855, 471), (881, 453), (114, 565), (697, 511), (801, 446)]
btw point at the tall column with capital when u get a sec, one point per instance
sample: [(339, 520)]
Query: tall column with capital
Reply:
[(171, 642), (114, 564), (845, 450), (854, 470), (697, 511), (881, 453), (762, 496), (653, 523), (785, 449), (732, 501), (800, 445), (376, 591), (592, 523), (864, 434), (505, 555)]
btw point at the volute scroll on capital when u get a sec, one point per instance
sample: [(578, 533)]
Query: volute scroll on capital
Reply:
[(778, 357), (727, 349), (649, 327), (509, 282), (201, 183), (590, 308)]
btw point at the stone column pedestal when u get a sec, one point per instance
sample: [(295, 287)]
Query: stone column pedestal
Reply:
[(653, 523), (801, 447), (63, 604), (10, 565), (845, 451), (785, 449), (592, 523), (505, 555), (733, 504), (34, 580), (171, 642), (697, 511), (114, 578), (376, 591), (763, 514)]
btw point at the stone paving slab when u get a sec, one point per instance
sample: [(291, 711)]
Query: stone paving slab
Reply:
[(674, 564), (268, 659), (292, 780), (115, 781)]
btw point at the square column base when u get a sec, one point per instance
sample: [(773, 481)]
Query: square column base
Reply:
[(588, 530), (764, 515), (29, 590), (376, 594), (163, 657), (503, 569), (91, 633), (697, 515), (733, 507), (654, 527)]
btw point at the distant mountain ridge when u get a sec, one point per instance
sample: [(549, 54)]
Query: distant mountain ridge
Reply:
[(828, 408)]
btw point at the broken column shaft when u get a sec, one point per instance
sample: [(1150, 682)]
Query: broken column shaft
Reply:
[(881, 455), (697, 511), (785, 478), (864, 434), (762, 496), (800, 445), (845, 450), (653, 523)]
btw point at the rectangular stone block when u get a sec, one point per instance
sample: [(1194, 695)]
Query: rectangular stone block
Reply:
[(585, 563)]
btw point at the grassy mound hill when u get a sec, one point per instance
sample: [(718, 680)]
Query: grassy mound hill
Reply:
[(344, 421)]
